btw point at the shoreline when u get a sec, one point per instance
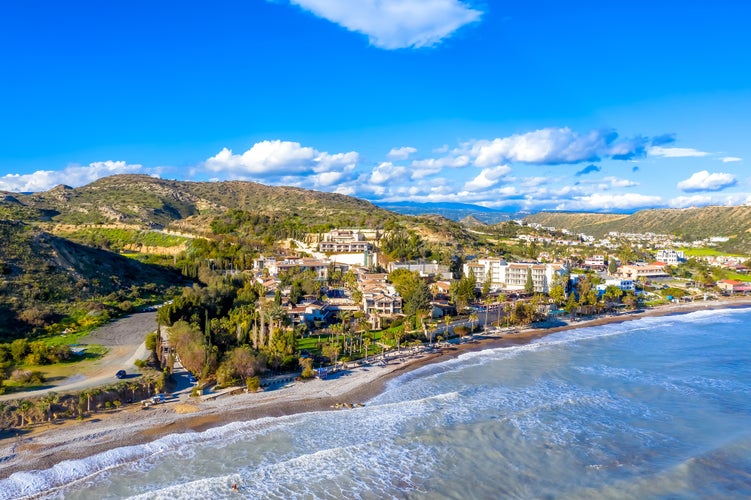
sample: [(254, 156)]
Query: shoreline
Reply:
[(46, 446)]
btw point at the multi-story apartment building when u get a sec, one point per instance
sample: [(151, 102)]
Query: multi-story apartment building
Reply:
[(513, 276), (671, 257)]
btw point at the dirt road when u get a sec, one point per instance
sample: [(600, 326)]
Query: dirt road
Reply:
[(125, 340)]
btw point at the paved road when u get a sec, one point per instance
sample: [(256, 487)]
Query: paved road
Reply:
[(125, 340), (129, 331)]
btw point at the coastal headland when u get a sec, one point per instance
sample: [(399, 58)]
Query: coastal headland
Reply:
[(47, 445)]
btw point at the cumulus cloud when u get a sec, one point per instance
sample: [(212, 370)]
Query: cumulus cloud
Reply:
[(690, 201), (588, 170), (676, 152), (386, 172), (278, 158), (711, 199), (556, 146), (487, 178), (704, 181), (603, 202), (401, 153), (72, 175), (396, 24), (731, 159), (453, 161)]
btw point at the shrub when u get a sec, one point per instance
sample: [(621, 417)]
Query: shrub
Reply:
[(19, 348), (253, 383), (307, 368)]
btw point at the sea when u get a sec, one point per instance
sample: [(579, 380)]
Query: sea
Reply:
[(658, 407)]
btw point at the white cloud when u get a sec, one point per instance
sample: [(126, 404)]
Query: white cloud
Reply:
[(690, 201), (701, 200), (386, 172), (676, 152), (279, 158), (396, 24), (454, 161), (401, 153), (600, 202), (555, 146), (704, 181), (730, 159), (616, 182), (72, 175), (421, 173), (487, 178)]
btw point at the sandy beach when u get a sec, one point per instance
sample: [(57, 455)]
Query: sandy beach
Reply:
[(47, 445)]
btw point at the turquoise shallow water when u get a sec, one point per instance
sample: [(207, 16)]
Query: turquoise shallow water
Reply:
[(650, 408)]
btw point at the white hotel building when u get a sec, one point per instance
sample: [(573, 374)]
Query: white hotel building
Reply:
[(513, 275)]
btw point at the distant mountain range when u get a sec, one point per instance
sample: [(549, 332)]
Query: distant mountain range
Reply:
[(454, 211)]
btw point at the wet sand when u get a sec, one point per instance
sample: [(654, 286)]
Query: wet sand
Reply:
[(47, 445)]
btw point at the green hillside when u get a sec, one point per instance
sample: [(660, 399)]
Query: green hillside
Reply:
[(146, 201), (688, 224), (42, 276)]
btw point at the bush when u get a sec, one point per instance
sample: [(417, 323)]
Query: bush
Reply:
[(150, 341), (19, 348), (27, 377), (307, 368), (140, 363), (253, 383)]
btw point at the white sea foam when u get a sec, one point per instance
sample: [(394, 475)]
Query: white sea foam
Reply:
[(585, 333), (573, 404), (28, 484)]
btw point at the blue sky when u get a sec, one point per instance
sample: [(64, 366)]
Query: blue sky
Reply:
[(556, 105)]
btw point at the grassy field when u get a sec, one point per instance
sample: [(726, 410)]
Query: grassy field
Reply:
[(706, 252)]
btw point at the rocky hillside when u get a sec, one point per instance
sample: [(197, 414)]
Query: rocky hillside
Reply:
[(40, 273), (150, 202)]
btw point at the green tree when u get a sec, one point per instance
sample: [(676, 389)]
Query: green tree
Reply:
[(612, 294), (46, 403), (190, 345), (23, 409), (486, 285), (463, 291), (630, 300), (529, 286), (473, 318), (612, 266), (19, 348), (557, 294)]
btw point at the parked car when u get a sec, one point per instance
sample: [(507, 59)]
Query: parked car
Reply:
[(120, 374)]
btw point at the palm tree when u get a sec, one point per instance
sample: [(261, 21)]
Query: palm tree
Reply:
[(133, 386), (23, 407), (4, 415), (46, 402), (91, 394), (473, 318), (366, 344)]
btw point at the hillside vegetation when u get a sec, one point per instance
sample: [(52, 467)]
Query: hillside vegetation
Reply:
[(42, 275), (687, 224), (150, 202)]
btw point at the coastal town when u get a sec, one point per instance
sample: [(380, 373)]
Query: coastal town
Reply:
[(329, 299)]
